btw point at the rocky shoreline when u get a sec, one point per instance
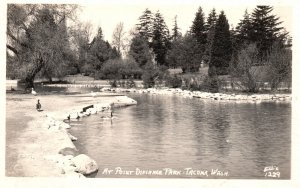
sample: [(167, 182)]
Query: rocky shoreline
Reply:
[(206, 95), (42, 146), (69, 159)]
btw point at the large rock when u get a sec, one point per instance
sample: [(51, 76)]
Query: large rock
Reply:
[(73, 138), (84, 164), (62, 124), (69, 151), (74, 175)]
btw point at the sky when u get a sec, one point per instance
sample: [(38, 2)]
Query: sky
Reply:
[(108, 15)]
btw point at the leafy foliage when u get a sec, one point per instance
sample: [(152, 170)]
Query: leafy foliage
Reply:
[(246, 73), (153, 75), (186, 53), (173, 81), (210, 84), (279, 65), (38, 38), (100, 51)]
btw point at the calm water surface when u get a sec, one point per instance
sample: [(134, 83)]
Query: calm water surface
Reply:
[(178, 133)]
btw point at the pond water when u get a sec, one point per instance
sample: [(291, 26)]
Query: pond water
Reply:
[(176, 137)]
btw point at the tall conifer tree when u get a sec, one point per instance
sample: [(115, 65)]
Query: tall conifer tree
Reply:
[(221, 49), (161, 39), (210, 29), (176, 33), (266, 29), (198, 28), (145, 25)]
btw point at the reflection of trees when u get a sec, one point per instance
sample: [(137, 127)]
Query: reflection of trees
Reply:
[(219, 128), (259, 139), (272, 136)]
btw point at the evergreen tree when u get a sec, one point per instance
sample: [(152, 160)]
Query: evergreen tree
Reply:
[(212, 18), (198, 28), (145, 25), (210, 29), (100, 51), (139, 51), (161, 39), (221, 49), (243, 30), (185, 54), (176, 33), (265, 29)]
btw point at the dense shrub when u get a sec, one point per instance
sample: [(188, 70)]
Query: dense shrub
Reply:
[(113, 83), (87, 69), (210, 84), (173, 81), (130, 83), (278, 66), (120, 69), (246, 74), (191, 83), (153, 75)]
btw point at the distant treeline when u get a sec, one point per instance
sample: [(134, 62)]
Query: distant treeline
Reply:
[(41, 44)]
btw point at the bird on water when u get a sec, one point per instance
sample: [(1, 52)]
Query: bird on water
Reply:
[(38, 106)]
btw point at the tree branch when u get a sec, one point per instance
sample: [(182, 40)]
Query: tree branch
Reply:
[(12, 49), (15, 39)]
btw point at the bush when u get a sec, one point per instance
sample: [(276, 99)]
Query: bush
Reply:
[(120, 69), (191, 83), (153, 75), (130, 83), (113, 83), (245, 71), (210, 84), (87, 69), (279, 66), (173, 81)]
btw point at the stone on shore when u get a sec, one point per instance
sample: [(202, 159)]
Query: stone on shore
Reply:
[(84, 164), (74, 175), (73, 138), (69, 151)]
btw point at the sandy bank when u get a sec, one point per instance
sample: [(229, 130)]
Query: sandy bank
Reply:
[(33, 142)]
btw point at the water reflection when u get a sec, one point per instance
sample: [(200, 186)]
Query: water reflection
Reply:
[(175, 132)]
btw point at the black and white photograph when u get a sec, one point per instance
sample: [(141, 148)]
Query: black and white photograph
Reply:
[(148, 90)]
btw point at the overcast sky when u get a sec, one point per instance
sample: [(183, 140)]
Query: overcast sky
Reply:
[(108, 15)]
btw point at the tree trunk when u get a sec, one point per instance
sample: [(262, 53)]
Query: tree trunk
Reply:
[(38, 65)]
